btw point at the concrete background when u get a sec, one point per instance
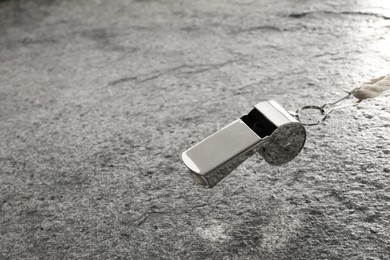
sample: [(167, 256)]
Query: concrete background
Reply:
[(99, 98)]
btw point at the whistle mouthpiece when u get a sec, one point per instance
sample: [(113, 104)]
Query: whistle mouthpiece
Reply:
[(267, 129)]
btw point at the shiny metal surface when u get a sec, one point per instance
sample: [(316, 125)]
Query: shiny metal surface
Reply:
[(268, 129), (274, 112), (284, 144), (219, 148)]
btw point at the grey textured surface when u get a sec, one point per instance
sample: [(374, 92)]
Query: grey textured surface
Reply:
[(99, 98)]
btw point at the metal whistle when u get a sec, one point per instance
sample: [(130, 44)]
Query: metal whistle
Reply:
[(267, 129)]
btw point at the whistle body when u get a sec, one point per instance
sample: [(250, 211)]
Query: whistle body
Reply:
[(267, 129)]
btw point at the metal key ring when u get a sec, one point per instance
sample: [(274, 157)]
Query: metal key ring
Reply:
[(319, 108)]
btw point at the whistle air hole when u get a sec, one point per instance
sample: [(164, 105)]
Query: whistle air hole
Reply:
[(259, 123)]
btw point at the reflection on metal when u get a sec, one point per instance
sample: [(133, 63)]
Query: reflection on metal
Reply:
[(267, 129)]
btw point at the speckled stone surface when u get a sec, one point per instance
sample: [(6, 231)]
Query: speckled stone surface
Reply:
[(99, 98)]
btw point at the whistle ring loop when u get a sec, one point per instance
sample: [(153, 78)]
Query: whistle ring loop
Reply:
[(311, 107)]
